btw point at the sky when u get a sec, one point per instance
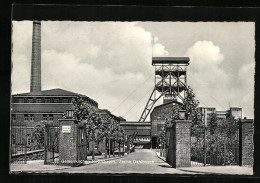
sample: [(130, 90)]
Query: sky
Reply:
[(111, 61)]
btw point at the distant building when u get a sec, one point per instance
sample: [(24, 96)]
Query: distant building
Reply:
[(236, 112), (140, 130), (158, 117), (107, 113), (207, 113), (221, 115)]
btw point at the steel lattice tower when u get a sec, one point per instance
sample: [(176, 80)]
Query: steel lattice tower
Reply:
[(170, 81)]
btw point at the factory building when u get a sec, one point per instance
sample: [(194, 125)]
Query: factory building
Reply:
[(141, 132), (158, 117)]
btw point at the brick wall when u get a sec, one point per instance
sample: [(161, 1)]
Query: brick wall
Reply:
[(246, 143), (178, 153), (68, 143)]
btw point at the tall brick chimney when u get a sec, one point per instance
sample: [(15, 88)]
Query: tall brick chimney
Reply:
[(36, 58)]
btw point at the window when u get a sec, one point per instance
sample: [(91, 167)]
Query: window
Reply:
[(47, 100), (13, 117), (26, 117), (45, 117), (30, 100), (64, 100), (51, 117), (21, 100), (38, 100), (32, 117), (56, 100)]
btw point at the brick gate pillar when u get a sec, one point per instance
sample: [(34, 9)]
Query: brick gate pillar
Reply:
[(246, 131), (179, 136), (68, 142)]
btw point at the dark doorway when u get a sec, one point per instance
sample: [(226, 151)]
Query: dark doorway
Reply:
[(154, 142)]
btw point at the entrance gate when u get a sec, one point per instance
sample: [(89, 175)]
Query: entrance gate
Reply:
[(82, 143), (51, 144), (214, 147), (18, 142)]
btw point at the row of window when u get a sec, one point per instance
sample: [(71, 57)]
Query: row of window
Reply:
[(39, 100), (142, 138), (30, 117)]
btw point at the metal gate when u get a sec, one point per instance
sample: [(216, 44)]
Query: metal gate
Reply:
[(51, 145), (82, 144), (214, 146), (18, 142)]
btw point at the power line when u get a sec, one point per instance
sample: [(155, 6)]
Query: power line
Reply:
[(138, 101), (206, 91), (132, 93)]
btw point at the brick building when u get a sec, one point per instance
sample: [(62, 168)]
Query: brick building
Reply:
[(158, 117), (141, 131), (48, 105)]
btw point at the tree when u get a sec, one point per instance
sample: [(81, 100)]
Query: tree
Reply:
[(190, 105), (87, 114), (38, 135), (107, 129)]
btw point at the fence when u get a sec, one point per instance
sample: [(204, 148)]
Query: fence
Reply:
[(214, 146), (23, 145), (51, 150)]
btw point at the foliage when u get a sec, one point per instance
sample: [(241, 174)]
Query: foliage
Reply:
[(190, 105), (83, 110), (98, 127), (221, 141), (38, 135)]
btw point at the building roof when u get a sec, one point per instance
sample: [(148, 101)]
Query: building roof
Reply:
[(170, 60), (136, 123), (165, 104), (105, 111), (53, 92)]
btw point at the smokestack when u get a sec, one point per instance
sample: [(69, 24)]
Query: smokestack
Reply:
[(36, 58)]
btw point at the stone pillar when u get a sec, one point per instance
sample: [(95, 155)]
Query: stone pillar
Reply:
[(68, 142), (179, 137), (246, 131)]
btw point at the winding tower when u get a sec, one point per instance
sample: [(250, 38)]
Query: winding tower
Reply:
[(170, 81)]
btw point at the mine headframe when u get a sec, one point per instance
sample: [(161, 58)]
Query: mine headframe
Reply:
[(170, 81)]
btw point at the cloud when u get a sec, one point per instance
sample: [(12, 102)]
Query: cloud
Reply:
[(109, 60), (214, 86), (205, 74), (106, 61), (159, 50)]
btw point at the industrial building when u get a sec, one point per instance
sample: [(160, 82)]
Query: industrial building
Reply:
[(27, 109), (141, 132), (158, 117)]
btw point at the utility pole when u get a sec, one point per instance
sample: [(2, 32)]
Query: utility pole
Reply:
[(205, 132)]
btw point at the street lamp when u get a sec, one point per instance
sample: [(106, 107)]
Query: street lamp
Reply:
[(182, 114), (69, 113)]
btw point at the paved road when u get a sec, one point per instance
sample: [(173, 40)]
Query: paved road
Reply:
[(141, 161)]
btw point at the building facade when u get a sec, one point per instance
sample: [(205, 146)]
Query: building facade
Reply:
[(48, 105), (141, 131), (236, 112), (158, 117)]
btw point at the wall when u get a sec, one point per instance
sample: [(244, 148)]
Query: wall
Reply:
[(246, 143)]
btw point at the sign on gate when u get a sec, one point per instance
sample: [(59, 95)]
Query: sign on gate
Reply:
[(66, 129)]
